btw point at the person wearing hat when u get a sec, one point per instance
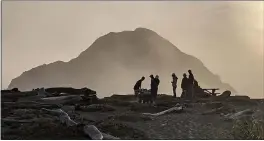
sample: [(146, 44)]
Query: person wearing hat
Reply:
[(174, 84)]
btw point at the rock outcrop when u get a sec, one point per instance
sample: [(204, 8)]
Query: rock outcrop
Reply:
[(114, 62)]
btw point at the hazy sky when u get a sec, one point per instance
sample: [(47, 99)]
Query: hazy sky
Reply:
[(226, 36)]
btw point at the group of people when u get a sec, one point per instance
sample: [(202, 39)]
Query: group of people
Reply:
[(187, 85), (154, 85)]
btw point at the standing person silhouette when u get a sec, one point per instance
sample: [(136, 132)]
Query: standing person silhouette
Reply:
[(174, 84), (184, 85), (154, 86), (190, 84), (157, 85)]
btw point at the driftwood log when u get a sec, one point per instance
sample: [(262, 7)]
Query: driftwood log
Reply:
[(89, 130), (63, 116), (15, 95), (10, 91), (95, 107), (176, 109), (24, 96), (240, 114), (69, 90), (92, 132), (214, 111), (71, 99), (28, 105)]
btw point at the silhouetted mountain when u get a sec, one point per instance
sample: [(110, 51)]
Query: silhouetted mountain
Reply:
[(114, 62)]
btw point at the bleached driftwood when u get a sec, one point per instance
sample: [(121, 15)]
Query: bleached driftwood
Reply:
[(28, 104), (96, 107), (89, 130), (71, 99), (240, 114), (176, 108), (213, 105), (213, 111), (92, 132), (40, 93), (63, 116)]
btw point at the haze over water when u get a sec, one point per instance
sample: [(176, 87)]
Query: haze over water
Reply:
[(226, 36)]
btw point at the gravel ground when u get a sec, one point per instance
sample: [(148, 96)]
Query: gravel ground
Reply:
[(127, 122), (187, 125)]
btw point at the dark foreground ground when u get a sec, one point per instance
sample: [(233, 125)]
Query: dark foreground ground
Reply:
[(121, 116)]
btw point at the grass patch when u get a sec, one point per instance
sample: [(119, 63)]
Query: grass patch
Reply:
[(248, 130)]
